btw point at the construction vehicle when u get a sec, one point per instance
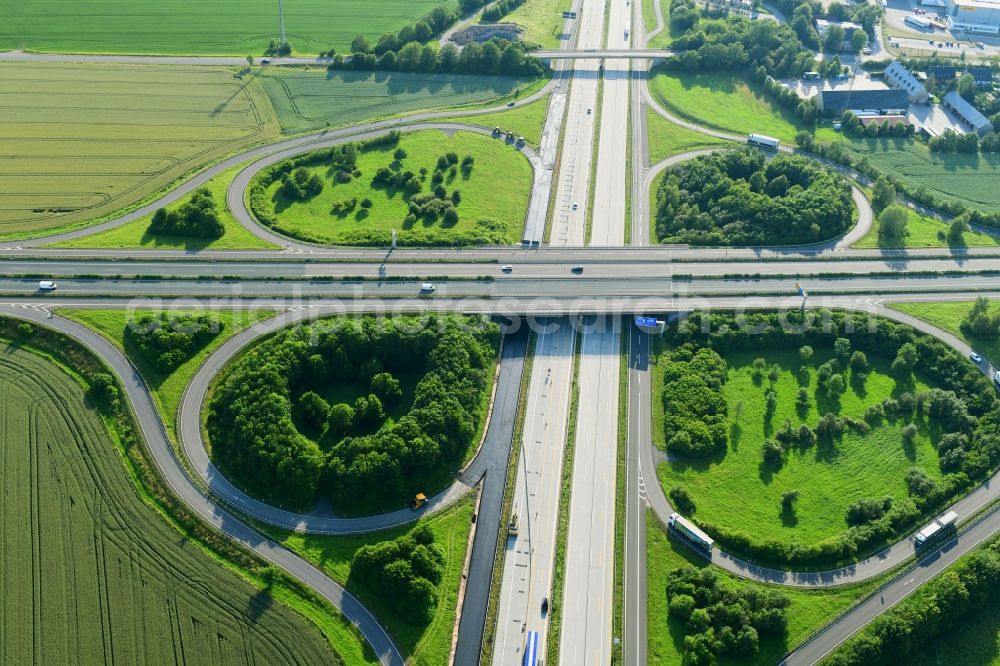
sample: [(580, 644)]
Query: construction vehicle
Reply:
[(418, 501)]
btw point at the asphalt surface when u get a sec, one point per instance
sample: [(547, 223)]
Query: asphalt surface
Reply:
[(173, 473)]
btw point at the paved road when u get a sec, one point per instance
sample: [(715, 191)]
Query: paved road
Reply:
[(528, 564), (27, 56), (212, 513), (610, 53)]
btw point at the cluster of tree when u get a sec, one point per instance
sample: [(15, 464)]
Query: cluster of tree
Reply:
[(694, 407), (806, 110), (498, 10), (484, 231), (738, 198), (964, 410), (407, 570), (852, 126), (836, 152), (953, 142), (255, 439), (934, 612), (720, 619), (737, 43), (196, 218), (166, 341), (980, 323), (430, 206), (276, 48), (301, 184), (803, 13), (496, 56), (422, 31)]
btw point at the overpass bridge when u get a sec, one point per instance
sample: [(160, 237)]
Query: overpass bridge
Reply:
[(595, 54)]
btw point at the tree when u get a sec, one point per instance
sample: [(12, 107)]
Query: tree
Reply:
[(842, 347), (788, 499), (314, 410), (399, 155), (905, 359), (805, 353), (892, 224), (758, 365), (858, 41), (909, 433), (883, 194), (341, 419), (859, 362), (956, 229), (980, 323), (774, 455), (386, 387), (367, 203), (360, 45), (25, 330), (834, 38)]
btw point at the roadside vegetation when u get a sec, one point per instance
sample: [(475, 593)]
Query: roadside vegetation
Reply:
[(919, 230), (310, 99), (409, 577), (944, 614), (166, 346), (738, 197), (541, 21), (816, 456), (974, 322), (137, 234), (806, 610), (131, 131), (667, 139), (431, 187), (526, 121), (366, 413), (78, 486)]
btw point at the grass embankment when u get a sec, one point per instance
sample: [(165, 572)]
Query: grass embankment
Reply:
[(727, 102), (134, 234), (129, 132), (949, 317), (924, 231), (737, 489), (96, 564), (421, 644), (664, 38), (222, 27), (526, 121), (667, 139), (167, 388), (498, 188), (541, 21), (809, 609), (310, 99)]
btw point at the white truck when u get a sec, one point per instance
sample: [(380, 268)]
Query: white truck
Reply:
[(936, 529), (761, 141)]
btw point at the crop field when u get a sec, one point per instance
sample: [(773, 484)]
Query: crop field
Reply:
[(737, 489), (167, 388), (135, 234), (962, 177), (91, 574), (728, 103), (809, 610), (949, 317), (314, 99), (923, 231), (425, 645), (82, 141), (220, 27), (498, 169)]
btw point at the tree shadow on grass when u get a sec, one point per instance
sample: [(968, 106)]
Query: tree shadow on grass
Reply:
[(826, 449), (788, 517)]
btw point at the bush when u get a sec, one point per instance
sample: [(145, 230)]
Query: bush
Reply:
[(867, 510), (695, 408), (788, 499), (892, 223), (682, 500), (166, 341), (198, 218), (25, 330), (774, 455)]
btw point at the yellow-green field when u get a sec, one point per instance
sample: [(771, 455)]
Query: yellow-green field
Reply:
[(232, 27), (924, 231), (82, 141), (93, 575), (541, 21)]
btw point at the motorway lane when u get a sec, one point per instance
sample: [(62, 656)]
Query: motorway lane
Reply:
[(176, 478), (635, 624), (588, 595), (527, 573)]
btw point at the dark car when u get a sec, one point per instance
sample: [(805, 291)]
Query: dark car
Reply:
[(577, 269), (545, 605)]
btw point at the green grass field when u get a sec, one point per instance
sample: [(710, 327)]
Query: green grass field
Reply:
[(666, 139), (975, 642), (809, 610), (663, 39), (316, 98), (167, 388), (424, 645), (91, 574), (923, 231), (526, 121), (134, 235), (541, 21), (737, 490), (949, 316), (498, 188), (231, 27), (83, 141), (726, 102), (961, 177)]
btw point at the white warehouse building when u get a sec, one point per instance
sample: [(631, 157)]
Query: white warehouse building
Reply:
[(973, 15), (897, 77)]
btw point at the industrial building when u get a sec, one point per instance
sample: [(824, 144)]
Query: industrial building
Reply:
[(971, 119), (889, 101), (899, 78), (981, 16)]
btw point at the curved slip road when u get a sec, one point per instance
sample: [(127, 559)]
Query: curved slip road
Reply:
[(182, 486)]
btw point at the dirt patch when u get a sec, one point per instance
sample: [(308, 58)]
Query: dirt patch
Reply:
[(485, 32)]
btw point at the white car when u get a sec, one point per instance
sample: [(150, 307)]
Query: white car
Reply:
[(575, 206), (427, 288), (47, 285), (507, 268), (976, 358)]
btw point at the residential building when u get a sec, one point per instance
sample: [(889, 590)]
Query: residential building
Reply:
[(898, 77)]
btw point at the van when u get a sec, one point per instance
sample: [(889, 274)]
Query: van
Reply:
[(427, 288), (47, 285)]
